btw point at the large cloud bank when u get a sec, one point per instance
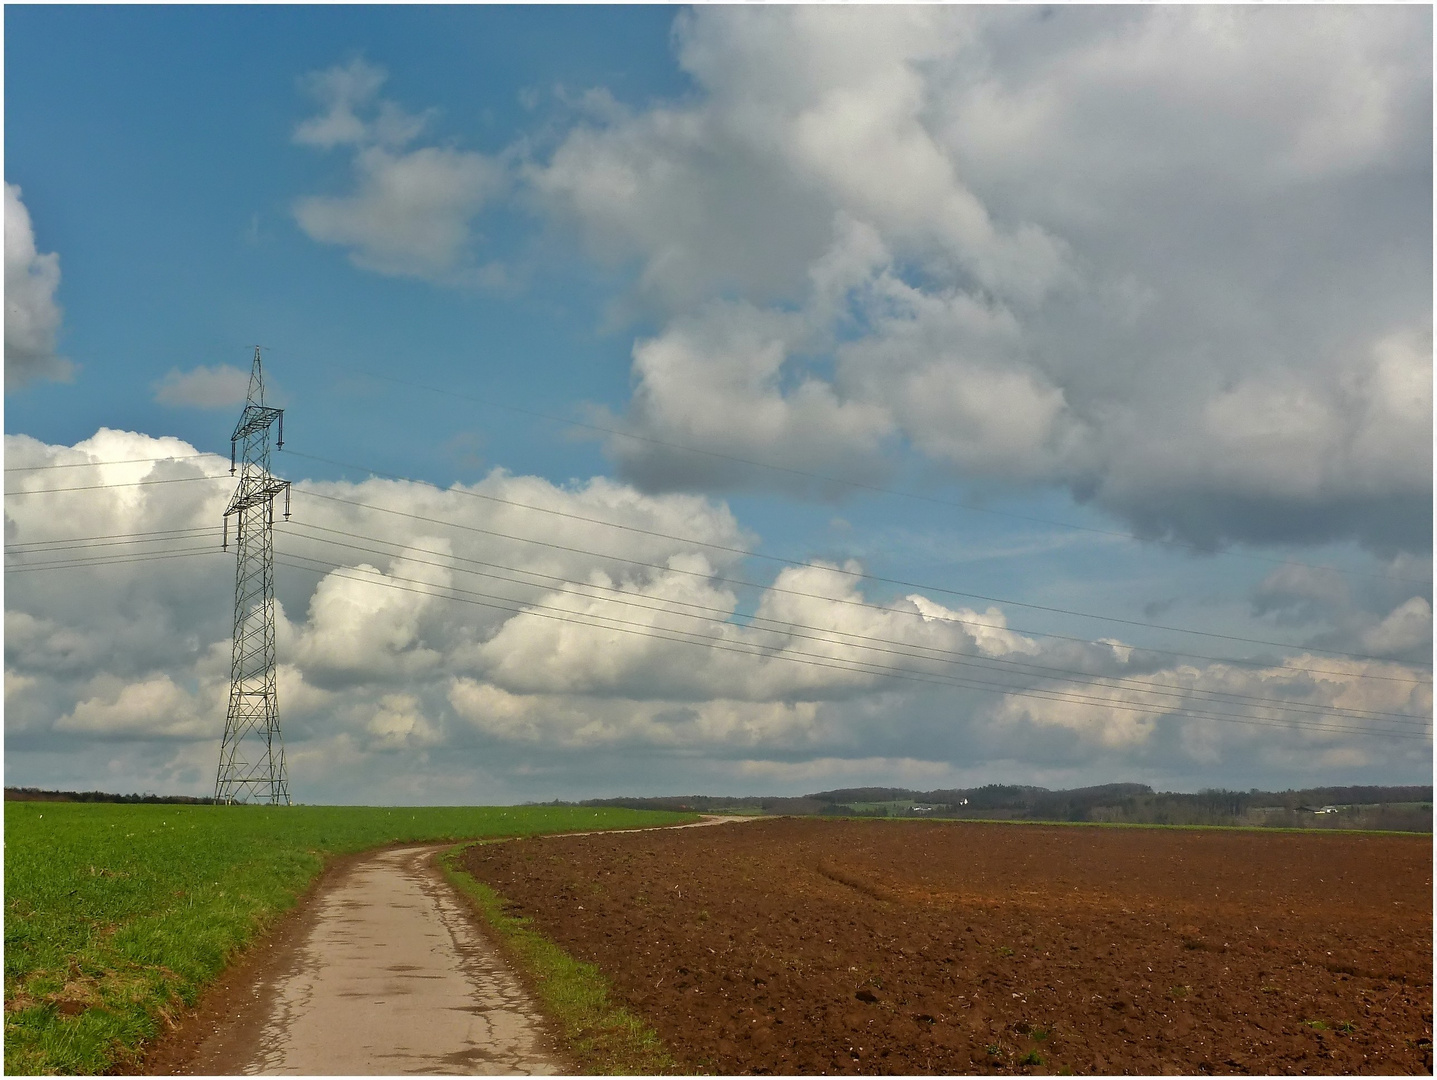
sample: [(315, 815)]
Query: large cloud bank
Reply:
[(1174, 260), (513, 639)]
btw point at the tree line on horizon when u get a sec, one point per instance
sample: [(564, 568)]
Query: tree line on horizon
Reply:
[(30, 794), (1405, 808)]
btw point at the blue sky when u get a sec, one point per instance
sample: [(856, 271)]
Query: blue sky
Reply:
[(1071, 278), (179, 125)]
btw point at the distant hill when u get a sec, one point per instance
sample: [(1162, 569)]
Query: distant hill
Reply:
[(713, 804), (1406, 808)]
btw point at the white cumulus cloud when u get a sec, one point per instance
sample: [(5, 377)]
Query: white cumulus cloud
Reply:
[(517, 639), (32, 314), (1170, 259), (412, 209), (204, 387)]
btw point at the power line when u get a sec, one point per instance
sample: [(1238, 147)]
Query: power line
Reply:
[(863, 667), (798, 656), (98, 464), (796, 592), (114, 540), (856, 574), (116, 536), (97, 487), (108, 560), (819, 660), (776, 559), (833, 599), (905, 648), (928, 652), (876, 488)]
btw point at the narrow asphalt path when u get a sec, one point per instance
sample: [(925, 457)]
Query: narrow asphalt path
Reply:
[(392, 976), (386, 973)]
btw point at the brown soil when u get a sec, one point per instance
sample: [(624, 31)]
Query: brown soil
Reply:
[(807, 946)]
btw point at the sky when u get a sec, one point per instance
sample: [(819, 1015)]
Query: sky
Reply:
[(728, 400)]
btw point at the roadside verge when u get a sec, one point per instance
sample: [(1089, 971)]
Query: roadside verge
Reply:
[(603, 1036)]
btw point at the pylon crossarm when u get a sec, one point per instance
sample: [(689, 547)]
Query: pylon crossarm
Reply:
[(255, 492), (255, 418)]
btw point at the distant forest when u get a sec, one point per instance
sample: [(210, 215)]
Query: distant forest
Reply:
[(29, 794), (1408, 809)]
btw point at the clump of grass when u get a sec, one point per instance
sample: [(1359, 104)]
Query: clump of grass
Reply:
[(604, 1036), (1030, 1058), (118, 915)]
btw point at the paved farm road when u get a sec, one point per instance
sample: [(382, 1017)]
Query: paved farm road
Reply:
[(390, 976)]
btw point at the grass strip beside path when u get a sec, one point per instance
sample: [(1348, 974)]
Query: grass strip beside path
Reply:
[(604, 1037), (117, 916)]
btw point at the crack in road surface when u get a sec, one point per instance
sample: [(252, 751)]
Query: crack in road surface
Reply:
[(392, 977)]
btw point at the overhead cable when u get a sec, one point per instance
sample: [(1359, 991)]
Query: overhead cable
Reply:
[(1393, 726), (98, 464), (109, 560), (780, 589), (855, 574), (798, 656), (848, 639), (124, 484), (712, 545)]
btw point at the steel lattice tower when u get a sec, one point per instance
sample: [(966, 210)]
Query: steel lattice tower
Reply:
[(252, 752)]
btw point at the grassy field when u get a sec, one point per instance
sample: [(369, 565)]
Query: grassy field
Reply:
[(117, 915)]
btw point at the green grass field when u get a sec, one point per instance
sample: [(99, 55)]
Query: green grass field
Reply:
[(116, 915)]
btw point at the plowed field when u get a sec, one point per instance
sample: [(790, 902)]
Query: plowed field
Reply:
[(811, 946)]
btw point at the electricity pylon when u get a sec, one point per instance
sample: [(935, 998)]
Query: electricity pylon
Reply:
[(252, 752)]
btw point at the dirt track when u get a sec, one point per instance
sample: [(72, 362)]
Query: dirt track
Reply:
[(806, 946)]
